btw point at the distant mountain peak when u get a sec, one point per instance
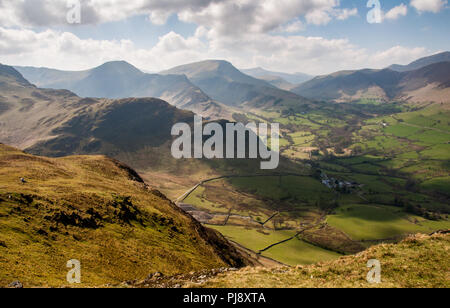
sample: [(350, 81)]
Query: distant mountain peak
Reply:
[(223, 82), (220, 67), (215, 61), (118, 66)]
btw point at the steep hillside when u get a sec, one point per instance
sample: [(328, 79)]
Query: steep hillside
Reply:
[(99, 211), (28, 114), (351, 85), (430, 83), (10, 76), (114, 126), (221, 81), (422, 62), (116, 80), (420, 261)]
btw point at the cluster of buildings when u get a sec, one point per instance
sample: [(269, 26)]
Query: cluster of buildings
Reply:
[(334, 183)]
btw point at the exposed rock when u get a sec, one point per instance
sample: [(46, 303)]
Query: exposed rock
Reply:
[(16, 285)]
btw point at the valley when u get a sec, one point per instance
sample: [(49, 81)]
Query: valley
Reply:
[(355, 171)]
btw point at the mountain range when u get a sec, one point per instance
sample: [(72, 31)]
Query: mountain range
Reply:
[(136, 131), (225, 83), (422, 62), (216, 89), (427, 83), (58, 123), (31, 115), (210, 88), (120, 79)]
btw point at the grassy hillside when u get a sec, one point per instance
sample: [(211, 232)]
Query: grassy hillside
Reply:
[(419, 261), (100, 212)]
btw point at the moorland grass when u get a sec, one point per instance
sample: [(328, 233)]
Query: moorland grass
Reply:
[(418, 262)]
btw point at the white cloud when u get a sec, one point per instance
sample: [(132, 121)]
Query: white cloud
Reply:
[(313, 55), (434, 6), (159, 18), (346, 13), (323, 16), (396, 12), (237, 30), (225, 16), (318, 17), (292, 27), (245, 32), (398, 55)]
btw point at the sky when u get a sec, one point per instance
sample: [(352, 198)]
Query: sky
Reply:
[(309, 36)]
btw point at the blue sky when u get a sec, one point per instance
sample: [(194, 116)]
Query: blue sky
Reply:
[(427, 29), (312, 36)]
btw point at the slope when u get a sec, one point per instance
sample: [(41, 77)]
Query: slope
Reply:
[(420, 261), (99, 211)]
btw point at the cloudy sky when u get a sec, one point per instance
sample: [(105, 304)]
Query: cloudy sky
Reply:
[(310, 36)]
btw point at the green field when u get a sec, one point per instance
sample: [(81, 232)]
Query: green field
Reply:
[(296, 252), (370, 222), (396, 155), (198, 199), (303, 189), (292, 252), (252, 238)]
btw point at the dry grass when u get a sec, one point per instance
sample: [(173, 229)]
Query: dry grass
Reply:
[(419, 261), (93, 209)]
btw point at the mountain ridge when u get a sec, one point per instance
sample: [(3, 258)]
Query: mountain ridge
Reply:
[(119, 79), (225, 83), (422, 62), (384, 84)]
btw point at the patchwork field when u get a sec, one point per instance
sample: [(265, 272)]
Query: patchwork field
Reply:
[(390, 177)]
